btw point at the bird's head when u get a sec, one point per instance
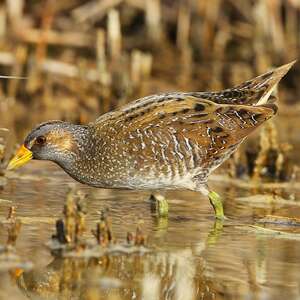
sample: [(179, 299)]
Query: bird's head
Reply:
[(55, 140)]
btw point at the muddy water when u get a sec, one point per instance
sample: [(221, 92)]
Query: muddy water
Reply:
[(191, 256)]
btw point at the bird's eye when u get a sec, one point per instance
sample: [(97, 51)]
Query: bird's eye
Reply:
[(41, 140)]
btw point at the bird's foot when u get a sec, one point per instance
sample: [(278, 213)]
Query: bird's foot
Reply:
[(216, 202), (161, 205), (215, 232)]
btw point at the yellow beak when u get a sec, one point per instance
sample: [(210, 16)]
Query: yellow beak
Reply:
[(21, 158)]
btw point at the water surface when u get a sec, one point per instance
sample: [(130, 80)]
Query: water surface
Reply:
[(191, 257)]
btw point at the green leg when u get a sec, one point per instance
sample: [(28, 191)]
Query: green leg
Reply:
[(161, 205), (216, 202), (215, 233)]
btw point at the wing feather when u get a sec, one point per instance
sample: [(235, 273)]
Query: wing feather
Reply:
[(202, 121)]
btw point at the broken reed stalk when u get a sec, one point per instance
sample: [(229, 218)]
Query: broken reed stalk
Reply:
[(94, 10), (11, 213), (103, 232), (137, 239), (104, 236), (265, 146), (70, 217), (47, 17), (101, 57), (104, 75), (3, 22), (2, 149), (136, 57), (153, 20), (210, 11), (146, 66), (15, 11), (13, 232), (114, 35), (14, 227), (183, 26), (272, 156), (60, 234), (54, 37), (141, 65), (183, 44), (235, 165), (4, 133), (70, 229)]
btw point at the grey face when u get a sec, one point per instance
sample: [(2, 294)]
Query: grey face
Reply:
[(53, 141)]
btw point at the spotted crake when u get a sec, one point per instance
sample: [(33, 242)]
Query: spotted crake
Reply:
[(164, 141)]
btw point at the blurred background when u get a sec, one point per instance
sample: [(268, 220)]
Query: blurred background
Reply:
[(84, 58), (80, 59)]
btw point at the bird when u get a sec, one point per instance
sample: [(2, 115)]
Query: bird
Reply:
[(164, 141)]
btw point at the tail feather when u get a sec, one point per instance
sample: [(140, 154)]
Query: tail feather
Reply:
[(260, 88), (256, 91)]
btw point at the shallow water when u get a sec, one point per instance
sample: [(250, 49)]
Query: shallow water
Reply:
[(191, 257)]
